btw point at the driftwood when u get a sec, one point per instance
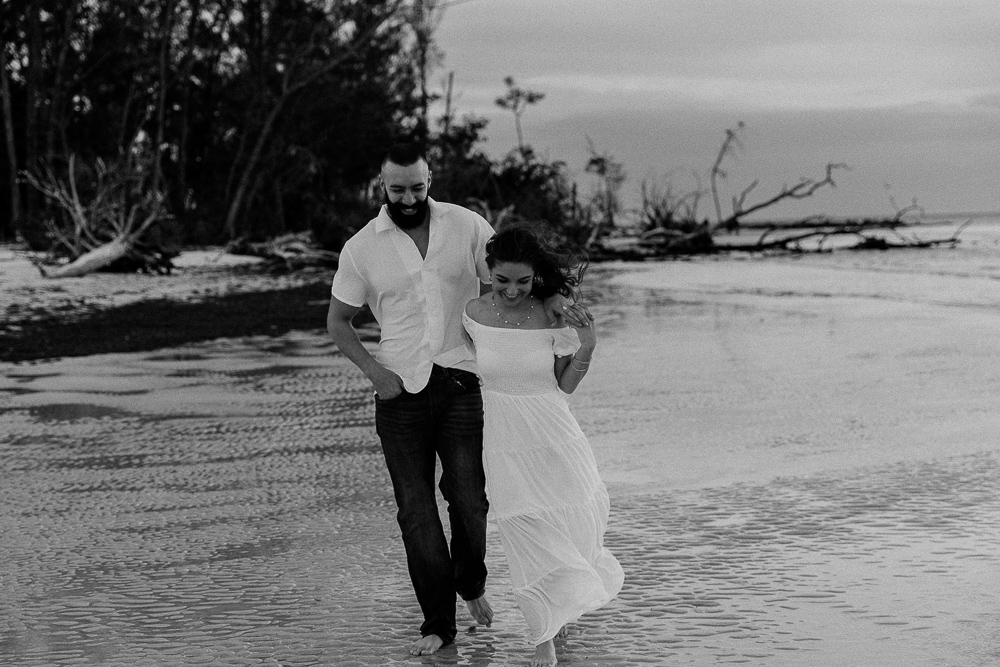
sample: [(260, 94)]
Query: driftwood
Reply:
[(102, 226), (672, 227), (805, 188), (118, 256), (870, 235), (289, 252), (90, 261), (671, 220), (811, 235)]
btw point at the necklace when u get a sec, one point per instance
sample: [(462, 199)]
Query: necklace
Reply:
[(505, 320)]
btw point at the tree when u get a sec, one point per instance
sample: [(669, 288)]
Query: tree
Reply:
[(261, 115), (611, 176), (11, 146), (425, 17), (330, 40), (39, 52), (517, 100), (521, 185), (462, 170), (665, 208), (534, 188)]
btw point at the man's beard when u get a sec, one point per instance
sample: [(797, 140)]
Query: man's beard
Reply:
[(407, 221)]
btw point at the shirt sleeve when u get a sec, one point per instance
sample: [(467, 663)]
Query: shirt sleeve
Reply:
[(483, 234), (566, 342), (349, 285)]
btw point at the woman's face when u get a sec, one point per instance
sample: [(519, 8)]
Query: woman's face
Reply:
[(512, 282)]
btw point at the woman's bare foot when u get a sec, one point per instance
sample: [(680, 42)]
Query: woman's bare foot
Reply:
[(545, 655), (426, 645), (480, 610), (563, 632)]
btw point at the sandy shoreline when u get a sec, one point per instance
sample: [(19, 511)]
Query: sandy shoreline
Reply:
[(801, 453), (209, 295)]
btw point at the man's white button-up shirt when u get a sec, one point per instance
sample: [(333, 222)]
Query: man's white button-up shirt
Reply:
[(417, 301)]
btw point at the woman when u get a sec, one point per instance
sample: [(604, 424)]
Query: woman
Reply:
[(546, 496)]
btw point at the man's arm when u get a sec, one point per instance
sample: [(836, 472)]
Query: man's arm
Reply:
[(338, 322)]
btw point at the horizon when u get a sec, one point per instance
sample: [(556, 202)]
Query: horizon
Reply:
[(905, 92)]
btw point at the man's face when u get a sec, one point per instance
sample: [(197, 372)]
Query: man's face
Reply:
[(406, 192)]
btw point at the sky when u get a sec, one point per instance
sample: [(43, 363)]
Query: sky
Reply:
[(905, 92)]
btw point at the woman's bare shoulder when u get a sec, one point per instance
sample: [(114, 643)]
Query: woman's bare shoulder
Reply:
[(478, 309)]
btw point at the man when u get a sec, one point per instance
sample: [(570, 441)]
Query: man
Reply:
[(416, 265)]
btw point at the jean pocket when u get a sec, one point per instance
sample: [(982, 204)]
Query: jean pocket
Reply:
[(463, 381), (379, 399)]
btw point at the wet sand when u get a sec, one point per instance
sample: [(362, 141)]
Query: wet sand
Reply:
[(801, 453), (210, 294)]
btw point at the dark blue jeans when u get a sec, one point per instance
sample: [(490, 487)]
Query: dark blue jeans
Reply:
[(444, 420)]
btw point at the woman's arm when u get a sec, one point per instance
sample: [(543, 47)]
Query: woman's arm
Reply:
[(570, 369)]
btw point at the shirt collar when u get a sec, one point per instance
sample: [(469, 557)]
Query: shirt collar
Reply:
[(383, 222)]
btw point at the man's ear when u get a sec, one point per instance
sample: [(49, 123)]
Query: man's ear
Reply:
[(429, 174)]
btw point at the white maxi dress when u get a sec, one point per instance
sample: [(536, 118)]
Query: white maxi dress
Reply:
[(546, 495)]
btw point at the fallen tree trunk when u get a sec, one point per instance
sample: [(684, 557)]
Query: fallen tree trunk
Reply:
[(867, 233), (93, 260), (123, 255), (810, 236)]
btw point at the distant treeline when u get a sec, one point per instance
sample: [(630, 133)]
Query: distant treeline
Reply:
[(246, 119)]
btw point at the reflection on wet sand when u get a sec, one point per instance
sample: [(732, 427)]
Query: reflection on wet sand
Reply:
[(226, 503)]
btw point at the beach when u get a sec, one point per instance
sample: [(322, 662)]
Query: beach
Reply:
[(801, 453)]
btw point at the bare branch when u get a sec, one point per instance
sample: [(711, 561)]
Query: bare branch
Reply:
[(729, 146), (738, 202), (801, 190)]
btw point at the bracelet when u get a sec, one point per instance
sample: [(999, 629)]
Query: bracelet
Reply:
[(580, 361), (579, 370)]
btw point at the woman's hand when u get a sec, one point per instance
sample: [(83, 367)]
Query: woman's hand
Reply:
[(559, 309)]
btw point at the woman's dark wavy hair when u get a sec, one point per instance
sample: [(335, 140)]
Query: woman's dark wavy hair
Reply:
[(558, 269)]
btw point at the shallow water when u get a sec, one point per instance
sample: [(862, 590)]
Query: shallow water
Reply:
[(804, 473)]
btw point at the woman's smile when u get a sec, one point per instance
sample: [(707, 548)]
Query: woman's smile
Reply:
[(512, 281)]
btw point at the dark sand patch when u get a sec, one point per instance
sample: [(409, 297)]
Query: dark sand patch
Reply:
[(158, 323)]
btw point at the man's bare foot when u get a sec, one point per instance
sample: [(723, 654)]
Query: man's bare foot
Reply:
[(545, 655), (426, 645), (480, 610), (563, 632)]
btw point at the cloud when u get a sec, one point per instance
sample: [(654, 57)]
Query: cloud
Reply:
[(905, 90), (766, 52), (945, 157), (988, 100)]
